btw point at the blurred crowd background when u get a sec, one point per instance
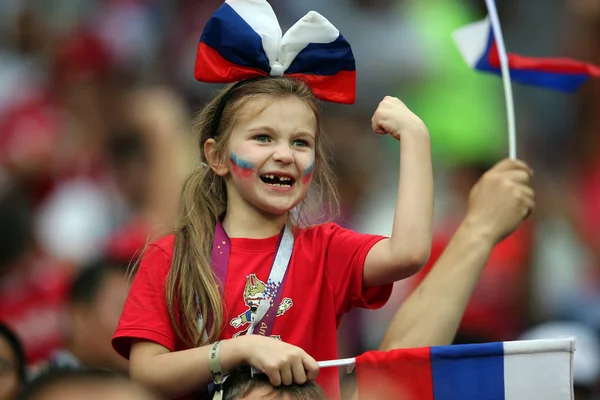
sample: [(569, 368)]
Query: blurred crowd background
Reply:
[(96, 101)]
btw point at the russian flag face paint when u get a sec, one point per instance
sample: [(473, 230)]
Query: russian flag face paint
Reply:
[(241, 167), (308, 173)]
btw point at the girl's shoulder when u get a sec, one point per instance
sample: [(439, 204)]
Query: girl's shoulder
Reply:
[(162, 246), (165, 242), (331, 232), (318, 231), (156, 258)]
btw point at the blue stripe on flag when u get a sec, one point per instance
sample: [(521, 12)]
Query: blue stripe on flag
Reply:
[(230, 35), (474, 371), (325, 59)]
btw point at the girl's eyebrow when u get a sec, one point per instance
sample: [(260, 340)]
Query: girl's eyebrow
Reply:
[(262, 128), (305, 135), (266, 128)]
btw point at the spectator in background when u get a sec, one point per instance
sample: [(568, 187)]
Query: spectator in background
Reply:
[(91, 384), (12, 364), (96, 299), (33, 286), (150, 156)]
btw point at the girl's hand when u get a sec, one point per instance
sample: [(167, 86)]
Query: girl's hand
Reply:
[(394, 118), (283, 363)]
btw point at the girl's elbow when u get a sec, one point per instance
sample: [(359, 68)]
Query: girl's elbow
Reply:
[(411, 269), (142, 374), (139, 373), (413, 254), (422, 258), (408, 263), (416, 260)]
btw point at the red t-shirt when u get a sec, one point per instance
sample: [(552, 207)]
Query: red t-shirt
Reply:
[(324, 281)]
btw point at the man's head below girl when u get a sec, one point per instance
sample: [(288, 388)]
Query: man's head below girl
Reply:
[(242, 385)]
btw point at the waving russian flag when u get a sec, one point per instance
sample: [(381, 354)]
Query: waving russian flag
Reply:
[(477, 45), (243, 40), (520, 370)]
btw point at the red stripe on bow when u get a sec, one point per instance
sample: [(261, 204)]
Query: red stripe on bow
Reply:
[(339, 88), (211, 67)]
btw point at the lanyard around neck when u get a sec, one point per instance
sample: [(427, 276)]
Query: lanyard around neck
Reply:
[(271, 298)]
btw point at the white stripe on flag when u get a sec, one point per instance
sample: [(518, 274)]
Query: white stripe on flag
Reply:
[(472, 40), (538, 369)]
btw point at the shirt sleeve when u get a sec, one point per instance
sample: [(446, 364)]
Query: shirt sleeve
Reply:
[(145, 314), (345, 255)]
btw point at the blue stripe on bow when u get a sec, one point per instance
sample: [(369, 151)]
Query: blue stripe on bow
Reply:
[(325, 59), (234, 39)]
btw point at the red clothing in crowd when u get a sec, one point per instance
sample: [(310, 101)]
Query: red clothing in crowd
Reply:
[(34, 304)]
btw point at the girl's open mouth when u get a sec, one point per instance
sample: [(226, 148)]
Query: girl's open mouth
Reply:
[(277, 180)]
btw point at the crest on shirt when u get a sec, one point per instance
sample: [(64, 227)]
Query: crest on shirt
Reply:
[(255, 291)]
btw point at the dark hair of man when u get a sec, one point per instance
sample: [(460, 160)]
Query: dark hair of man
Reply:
[(17, 348), (88, 282), (59, 376), (15, 220), (241, 383)]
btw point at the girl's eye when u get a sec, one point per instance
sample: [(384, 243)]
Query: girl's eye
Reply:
[(300, 143), (262, 138)]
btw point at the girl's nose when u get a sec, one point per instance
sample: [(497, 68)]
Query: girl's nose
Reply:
[(283, 154)]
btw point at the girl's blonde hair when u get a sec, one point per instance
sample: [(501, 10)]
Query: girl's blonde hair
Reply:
[(192, 288)]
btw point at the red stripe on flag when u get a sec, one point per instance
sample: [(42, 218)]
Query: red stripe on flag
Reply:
[(552, 65), (211, 67), (403, 374)]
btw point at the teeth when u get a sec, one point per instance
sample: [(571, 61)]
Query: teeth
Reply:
[(280, 178)]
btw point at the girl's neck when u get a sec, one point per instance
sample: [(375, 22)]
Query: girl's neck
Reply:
[(252, 224)]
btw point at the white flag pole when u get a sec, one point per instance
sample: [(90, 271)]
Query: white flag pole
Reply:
[(508, 95), (344, 362)]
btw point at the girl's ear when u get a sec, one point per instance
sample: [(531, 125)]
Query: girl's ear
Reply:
[(210, 152)]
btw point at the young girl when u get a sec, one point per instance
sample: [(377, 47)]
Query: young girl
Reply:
[(242, 280)]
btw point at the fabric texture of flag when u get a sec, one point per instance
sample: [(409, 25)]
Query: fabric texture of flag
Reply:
[(477, 45), (243, 40), (520, 370)]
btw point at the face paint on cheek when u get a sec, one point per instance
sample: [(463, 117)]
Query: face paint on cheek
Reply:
[(308, 173), (241, 168)]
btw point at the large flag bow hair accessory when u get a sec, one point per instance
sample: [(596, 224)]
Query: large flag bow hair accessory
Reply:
[(243, 40)]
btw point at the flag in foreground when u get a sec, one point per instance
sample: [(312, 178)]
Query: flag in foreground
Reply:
[(477, 45), (520, 370)]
